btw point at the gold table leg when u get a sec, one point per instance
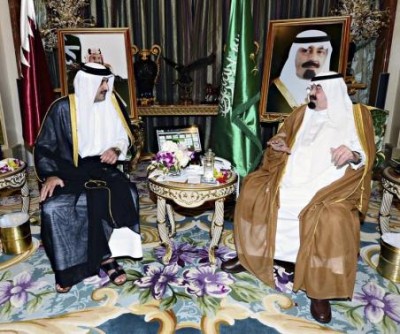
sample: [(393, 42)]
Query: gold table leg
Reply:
[(216, 229), (25, 197), (163, 229), (384, 211), (170, 214)]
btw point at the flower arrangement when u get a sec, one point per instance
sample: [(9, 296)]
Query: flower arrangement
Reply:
[(171, 158), (10, 165), (366, 20), (222, 175)]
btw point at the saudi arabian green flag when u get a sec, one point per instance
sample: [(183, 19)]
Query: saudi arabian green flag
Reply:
[(236, 131)]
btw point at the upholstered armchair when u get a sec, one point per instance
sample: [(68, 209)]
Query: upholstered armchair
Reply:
[(379, 117), (138, 144)]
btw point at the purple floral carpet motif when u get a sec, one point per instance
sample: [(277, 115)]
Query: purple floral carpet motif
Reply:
[(189, 295)]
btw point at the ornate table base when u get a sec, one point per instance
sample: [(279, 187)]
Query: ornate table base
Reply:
[(391, 187), (17, 179), (190, 196)]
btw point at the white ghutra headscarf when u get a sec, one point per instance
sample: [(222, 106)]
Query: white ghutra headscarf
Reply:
[(99, 125), (340, 106), (297, 86)]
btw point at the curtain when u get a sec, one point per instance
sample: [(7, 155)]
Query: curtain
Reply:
[(188, 30)]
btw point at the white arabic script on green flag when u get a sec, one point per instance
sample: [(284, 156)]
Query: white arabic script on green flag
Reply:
[(236, 131)]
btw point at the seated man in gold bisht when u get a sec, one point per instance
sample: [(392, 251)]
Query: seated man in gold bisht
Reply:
[(302, 206)]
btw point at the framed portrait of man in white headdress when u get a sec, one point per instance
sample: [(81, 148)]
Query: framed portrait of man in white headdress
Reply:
[(295, 51), (107, 46)]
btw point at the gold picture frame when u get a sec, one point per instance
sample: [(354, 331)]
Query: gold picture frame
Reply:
[(115, 47), (281, 35)]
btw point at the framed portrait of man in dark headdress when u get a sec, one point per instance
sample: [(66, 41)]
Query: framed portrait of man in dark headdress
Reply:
[(107, 46), (295, 51)]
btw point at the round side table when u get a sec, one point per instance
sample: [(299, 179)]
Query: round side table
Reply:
[(190, 196), (391, 187), (17, 179)]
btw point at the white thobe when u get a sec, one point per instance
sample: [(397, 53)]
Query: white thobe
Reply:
[(100, 130), (309, 168)]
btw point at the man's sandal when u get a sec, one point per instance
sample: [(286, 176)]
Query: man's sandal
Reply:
[(114, 271), (60, 289)]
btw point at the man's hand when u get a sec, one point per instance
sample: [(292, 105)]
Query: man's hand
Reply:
[(278, 143), (110, 156), (48, 187), (343, 155)]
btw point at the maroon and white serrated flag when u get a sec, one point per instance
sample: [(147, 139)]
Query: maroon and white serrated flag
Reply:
[(36, 89)]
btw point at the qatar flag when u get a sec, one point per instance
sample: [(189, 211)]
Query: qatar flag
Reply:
[(36, 89)]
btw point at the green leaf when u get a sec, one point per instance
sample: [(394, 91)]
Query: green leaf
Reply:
[(4, 277), (246, 277), (168, 303), (6, 308), (182, 295), (389, 325), (189, 241), (145, 296), (393, 288), (208, 305), (355, 317), (341, 306), (148, 260), (43, 294), (133, 275), (131, 288), (33, 304), (245, 292)]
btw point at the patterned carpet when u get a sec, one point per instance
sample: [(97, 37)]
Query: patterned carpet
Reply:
[(189, 295)]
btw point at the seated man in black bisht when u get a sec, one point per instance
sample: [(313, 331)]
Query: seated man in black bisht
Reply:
[(83, 194)]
